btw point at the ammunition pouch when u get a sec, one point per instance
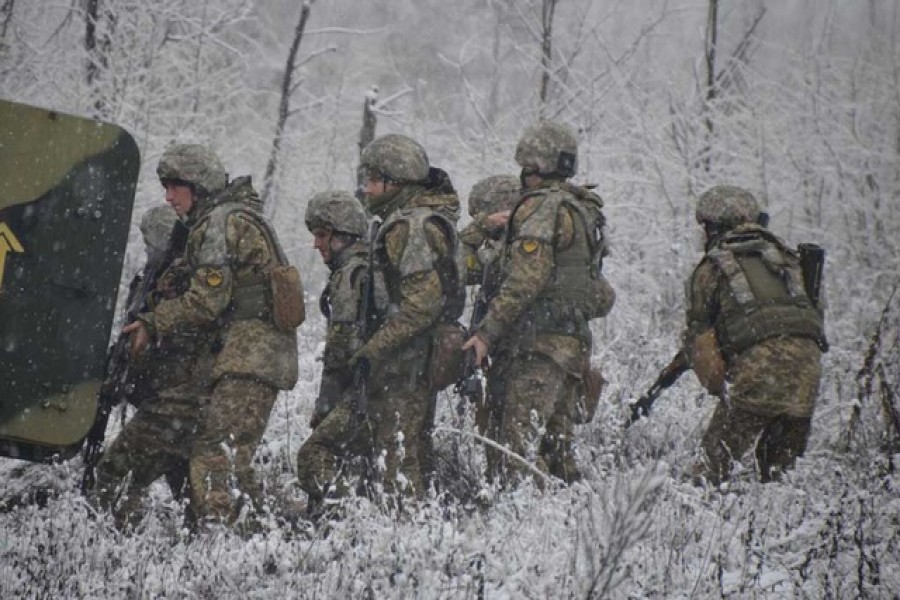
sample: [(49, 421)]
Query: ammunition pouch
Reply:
[(288, 307), (275, 296), (249, 301), (548, 317), (742, 329), (447, 363)]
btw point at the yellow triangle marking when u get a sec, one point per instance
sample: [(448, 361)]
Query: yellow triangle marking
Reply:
[(8, 241)]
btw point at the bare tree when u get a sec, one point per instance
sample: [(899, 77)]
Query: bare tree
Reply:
[(6, 13), (97, 47), (367, 130), (712, 33), (548, 8), (284, 108)]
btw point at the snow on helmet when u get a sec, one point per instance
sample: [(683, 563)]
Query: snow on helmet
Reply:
[(338, 211), (194, 164), (396, 157), (548, 148), (494, 194), (727, 206)]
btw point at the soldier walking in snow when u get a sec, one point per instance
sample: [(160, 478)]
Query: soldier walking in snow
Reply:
[(490, 203), (754, 338), (230, 306), (536, 329), (414, 255), (338, 223)]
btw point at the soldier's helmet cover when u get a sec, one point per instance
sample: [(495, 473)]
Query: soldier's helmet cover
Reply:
[(397, 157), (727, 206), (338, 211), (548, 148), (494, 194), (194, 164), (156, 227)]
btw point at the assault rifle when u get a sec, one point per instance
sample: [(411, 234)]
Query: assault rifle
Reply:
[(366, 317), (469, 387), (667, 377), (117, 385)]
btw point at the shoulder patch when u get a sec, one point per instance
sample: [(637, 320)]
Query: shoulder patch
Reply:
[(214, 278), (529, 246)]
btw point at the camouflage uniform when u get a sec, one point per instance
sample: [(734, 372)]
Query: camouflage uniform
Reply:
[(537, 328), (479, 242), (212, 306), (320, 459), (480, 247), (414, 257), (749, 289)]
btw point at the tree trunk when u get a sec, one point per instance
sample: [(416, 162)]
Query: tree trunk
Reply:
[(98, 49), (548, 8), (6, 13), (366, 131), (284, 110), (710, 51)]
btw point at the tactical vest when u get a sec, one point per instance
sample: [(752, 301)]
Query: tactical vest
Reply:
[(576, 291), (250, 295), (419, 257), (765, 297), (340, 298)]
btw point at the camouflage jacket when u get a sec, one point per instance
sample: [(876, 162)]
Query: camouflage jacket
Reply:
[(222, 300), (477, 251), (779, 374), (543, 231), (415, 261), (340, 303)]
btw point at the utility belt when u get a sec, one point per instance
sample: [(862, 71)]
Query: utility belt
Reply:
[(740, 330)]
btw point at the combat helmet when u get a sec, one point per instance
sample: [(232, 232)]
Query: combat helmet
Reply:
[(726, 207), (156, 227), (338, 211), (494, 194), (194, 164), (548, 148), (397, 158)]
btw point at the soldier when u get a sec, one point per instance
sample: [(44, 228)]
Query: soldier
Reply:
[(536, 329), (338, 224), (415, 258), (751, 323), (481, 242), (227, 309), (490, 203)]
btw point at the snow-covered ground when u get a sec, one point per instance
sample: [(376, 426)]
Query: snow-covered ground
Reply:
[(806, 116)]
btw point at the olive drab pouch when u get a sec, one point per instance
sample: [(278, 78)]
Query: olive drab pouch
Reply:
[(288, 307), (707, 361), (447, 357), (285, 285)]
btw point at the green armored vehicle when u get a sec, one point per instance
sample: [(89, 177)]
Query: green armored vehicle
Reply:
[(66, 192)]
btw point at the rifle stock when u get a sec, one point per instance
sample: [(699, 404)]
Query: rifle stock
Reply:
[(667, 377)]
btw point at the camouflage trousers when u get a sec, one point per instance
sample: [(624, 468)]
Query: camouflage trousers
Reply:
[(777, 441), (202, 445), (532, 401), (394, 443)]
